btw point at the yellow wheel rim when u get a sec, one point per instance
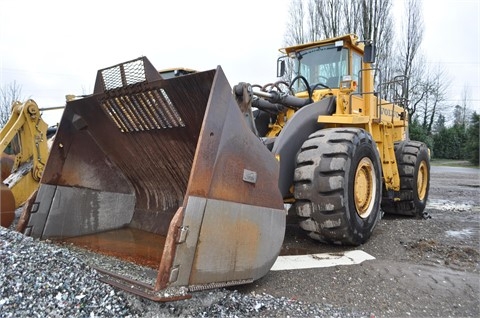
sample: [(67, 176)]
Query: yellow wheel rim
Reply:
[(365, 187), (422, 181)]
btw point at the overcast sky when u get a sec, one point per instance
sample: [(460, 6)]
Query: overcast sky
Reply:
[(452, 41), (54, 48)]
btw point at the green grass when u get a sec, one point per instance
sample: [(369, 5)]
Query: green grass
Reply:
[(452, 163)]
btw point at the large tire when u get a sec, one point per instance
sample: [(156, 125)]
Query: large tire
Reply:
[(337, 186), (413, 162)]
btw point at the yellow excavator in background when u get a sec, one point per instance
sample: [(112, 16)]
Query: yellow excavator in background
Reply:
[(183, 185), (24, 153)]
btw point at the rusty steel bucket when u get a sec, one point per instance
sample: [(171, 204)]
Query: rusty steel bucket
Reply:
[(7, 206), (7, 200), (164, 175)]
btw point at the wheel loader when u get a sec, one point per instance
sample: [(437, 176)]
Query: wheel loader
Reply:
[(185, 182), (343, 150)]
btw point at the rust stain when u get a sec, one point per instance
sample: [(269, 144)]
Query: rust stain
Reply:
[(129, 244), (169, 251), (26, 212)]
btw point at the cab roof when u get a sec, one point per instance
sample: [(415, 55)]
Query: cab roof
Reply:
[(351, 39)]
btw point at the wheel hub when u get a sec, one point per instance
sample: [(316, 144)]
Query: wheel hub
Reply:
[(364, 187), (422, 180)]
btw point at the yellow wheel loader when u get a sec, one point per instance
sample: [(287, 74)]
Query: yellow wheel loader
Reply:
[(184, 181), (343, 150)]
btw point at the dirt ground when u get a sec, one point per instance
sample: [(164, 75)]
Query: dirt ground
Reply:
[(422, 268)]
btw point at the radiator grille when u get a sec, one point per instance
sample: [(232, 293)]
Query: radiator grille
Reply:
[(146, 110)]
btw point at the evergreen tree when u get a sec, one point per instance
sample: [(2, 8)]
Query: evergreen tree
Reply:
[(439, 124), (472, 147), (419, 133), (450, 143)]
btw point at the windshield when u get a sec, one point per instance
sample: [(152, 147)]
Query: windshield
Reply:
[(322, 66)]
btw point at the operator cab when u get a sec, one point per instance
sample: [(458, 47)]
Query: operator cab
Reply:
[(324, 64)]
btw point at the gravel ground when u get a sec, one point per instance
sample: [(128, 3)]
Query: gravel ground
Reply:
[(423, 268), (41, 279)]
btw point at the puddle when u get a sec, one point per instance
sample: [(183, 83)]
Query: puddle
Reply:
[(465, 233), (446, 205)]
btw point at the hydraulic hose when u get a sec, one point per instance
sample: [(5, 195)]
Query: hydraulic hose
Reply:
[(273, 97)]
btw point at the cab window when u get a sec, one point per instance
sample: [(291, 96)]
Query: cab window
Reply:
[(356, 67)]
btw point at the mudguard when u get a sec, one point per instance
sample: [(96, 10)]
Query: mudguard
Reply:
[(296, 131)]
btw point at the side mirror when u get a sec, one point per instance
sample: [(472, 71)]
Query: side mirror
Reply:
[(281, 66), (369, 53)]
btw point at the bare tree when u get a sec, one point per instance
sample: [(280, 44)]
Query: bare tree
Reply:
[(318, 19), (458, 116), (416, 84), (8, 95), (434, 91), (378, 26), (312, 20), (412, 35), (353, 17), (327, 17), (296, 27), (315, 30), (465, 98), (461, 112), (426, 89)]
